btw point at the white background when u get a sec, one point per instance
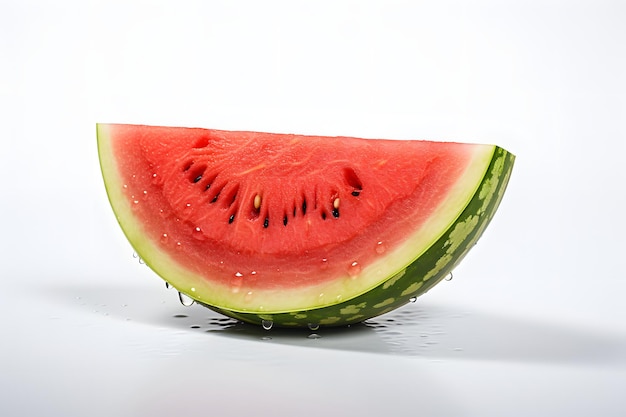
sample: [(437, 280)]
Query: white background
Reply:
[(534, 321)]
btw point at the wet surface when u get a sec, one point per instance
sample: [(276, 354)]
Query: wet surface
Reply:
[(420, 329)]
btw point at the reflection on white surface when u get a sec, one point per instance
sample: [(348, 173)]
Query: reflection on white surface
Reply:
[(419, 329)]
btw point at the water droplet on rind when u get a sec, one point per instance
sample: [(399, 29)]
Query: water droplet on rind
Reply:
[(267, 324), (314, 336), (136, 256), (449, 277), (185, 299), (313, 326), (413, 299)]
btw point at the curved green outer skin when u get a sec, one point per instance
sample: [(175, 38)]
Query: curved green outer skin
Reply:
[(419, 276)]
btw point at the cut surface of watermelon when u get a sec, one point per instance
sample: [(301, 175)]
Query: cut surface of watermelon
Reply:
[(298, 229)]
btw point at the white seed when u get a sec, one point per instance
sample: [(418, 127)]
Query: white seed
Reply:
[(336, 203), (257, 202)]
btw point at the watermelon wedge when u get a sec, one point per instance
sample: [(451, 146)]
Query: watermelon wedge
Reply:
[(296, 230)]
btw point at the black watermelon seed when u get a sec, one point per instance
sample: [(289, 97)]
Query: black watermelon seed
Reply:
[(231, 219), (198, 178), (304, 207), (266, 223), (356, 193), (285, 220), (323, 216), (336, 213), (215, 198)]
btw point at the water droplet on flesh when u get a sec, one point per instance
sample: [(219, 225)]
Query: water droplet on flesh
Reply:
[(313, 326), (380, 248), (164, 238), (197, 233), (324, 263), (267, 324), (185, 299), (235, 284), (354, 269)]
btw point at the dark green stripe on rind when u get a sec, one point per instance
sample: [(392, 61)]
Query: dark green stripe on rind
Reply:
[(421, 275)]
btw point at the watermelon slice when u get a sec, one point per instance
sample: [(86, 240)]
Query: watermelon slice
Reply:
[(298, 230)]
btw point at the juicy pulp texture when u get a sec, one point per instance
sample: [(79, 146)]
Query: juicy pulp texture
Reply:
[(265, 224)]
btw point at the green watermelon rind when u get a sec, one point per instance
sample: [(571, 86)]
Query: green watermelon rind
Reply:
[(420, 275)]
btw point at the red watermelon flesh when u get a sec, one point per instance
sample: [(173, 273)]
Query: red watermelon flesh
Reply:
[(269, 222)]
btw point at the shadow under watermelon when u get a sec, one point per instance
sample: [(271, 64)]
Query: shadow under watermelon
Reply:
[(440, 332), (426, 329)]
